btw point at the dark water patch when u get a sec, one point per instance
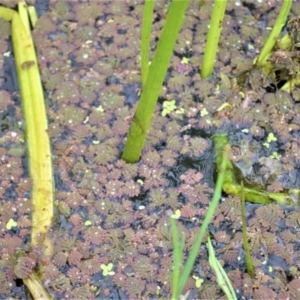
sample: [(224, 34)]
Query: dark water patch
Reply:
[(131, 96), (197, 98), (275, 261), (203, 164), (172, 179), (112, 80), (121, 31), (236, 137), (107, 40), (140, 200), (271, 88), (59, 183), (10, 194), (178, 169), (10, 79), (100, 20), (291, 179), (63, 223), (42, 6), (250, 6), (161, 100), (5, 122), (8, 121), (226, 226), (193, 132)]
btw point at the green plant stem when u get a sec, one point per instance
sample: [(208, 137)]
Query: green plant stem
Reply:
[(177, 258), (273, 37), (145, 40), (157, 72), (213, 205), (213, 38), (249, 263)]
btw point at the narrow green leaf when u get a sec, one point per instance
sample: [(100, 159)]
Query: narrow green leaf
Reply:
[(145, 40), (249, 263), (272, 39), (222, 278), (157, 72), (213, 205), (213, 36), (177, 259)]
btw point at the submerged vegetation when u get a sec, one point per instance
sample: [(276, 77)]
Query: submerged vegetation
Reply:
[(232, 182), (111, 233)]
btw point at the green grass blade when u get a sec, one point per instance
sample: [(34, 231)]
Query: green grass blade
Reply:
[(213, 36), (213, 205), (222, 278), (145, 40), (157, 72), (177, 259), (272, 39)]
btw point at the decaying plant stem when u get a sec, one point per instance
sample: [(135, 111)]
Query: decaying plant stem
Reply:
[(38, 144)]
